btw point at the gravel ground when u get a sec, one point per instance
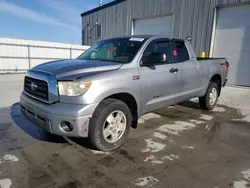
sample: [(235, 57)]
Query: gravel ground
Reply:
[(178, 146)]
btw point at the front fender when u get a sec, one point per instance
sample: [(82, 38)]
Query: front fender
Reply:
[(105, 94), (110, 83)]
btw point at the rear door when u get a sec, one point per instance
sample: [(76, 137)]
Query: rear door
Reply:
[(188, 71), (158, 83)]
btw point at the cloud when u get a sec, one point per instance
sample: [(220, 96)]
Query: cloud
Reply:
[(32, 15), (76, 7), (70, 10)]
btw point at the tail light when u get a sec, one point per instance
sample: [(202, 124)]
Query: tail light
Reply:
[(227, 64)]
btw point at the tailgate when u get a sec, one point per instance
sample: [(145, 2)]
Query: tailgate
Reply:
[(213, 65), (224, 70)]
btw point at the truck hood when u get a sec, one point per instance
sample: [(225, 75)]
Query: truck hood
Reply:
[(76, 68)]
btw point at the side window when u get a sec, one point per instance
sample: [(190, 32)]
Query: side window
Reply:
[(162, 47), (181, 51)]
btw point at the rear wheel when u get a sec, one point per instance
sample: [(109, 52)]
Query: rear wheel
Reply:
[(110, 124), (210, 99)]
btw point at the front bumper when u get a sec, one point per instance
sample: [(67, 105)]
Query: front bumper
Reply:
[(50, 116)]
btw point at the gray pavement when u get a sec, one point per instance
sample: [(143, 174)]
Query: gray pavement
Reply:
[(179, 146)]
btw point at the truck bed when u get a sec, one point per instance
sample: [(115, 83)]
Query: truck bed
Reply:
[(208, 66)]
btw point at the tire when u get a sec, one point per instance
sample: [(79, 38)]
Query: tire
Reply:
[(205, 102), (100, 124)]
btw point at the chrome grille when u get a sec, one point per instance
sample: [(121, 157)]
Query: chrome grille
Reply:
[(36, 88)]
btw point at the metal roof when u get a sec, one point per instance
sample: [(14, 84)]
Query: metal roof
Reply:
[(102, 7)]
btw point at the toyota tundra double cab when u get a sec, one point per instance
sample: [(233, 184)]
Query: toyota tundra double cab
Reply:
[(101, 94)]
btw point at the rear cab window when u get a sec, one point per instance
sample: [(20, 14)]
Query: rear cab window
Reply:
[(180, 52)]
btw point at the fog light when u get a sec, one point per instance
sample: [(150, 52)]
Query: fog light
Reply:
[(66, 126)]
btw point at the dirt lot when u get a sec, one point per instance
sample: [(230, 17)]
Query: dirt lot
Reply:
[(179, 146)]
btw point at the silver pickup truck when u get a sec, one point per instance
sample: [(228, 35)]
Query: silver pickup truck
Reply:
[(103, 92)]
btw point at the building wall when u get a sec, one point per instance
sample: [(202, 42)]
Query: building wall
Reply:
[(190, 18), (17, 55)]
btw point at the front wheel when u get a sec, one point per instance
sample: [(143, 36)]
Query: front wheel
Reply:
[(210, 99), (110, 124)]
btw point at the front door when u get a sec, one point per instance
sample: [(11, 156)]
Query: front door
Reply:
[(159, 82)]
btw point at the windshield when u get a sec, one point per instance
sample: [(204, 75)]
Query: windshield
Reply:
[(121, 50)]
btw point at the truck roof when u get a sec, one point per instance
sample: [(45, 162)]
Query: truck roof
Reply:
[(148, 36)]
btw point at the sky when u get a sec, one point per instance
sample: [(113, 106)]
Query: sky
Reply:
[(45, 20)]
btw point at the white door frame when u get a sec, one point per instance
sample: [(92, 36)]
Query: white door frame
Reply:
[(215, 19), (211, 50)]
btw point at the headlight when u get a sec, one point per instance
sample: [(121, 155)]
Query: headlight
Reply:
[(73, 88)]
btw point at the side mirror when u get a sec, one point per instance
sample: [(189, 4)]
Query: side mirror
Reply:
[(93, 55), (154, 58)]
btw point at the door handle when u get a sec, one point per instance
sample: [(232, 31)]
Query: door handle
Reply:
[(173, 70)]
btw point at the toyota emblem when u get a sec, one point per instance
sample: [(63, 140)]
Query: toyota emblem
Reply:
[(33, 86)]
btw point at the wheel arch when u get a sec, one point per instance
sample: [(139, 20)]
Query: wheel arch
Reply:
[(216, 78), (131, 102)]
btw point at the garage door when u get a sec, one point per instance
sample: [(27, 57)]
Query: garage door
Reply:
[(155, 26), (232, 40)]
